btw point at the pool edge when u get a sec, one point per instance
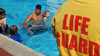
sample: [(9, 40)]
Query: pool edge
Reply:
[(16, 49)]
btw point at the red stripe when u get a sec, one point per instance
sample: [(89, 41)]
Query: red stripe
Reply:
[(4, 53)]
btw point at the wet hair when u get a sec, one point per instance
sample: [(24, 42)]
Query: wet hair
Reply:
[(46, 11), (30, 25), (13, 30), (38, 6), (2, 11)]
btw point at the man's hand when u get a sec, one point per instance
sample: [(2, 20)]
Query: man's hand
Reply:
[(24, 26)]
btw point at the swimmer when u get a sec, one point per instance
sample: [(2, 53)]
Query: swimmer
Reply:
[(14, 33), (35, 17), (46, 16), (43, 21)]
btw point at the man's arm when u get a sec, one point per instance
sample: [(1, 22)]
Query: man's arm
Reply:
[(28, 19)]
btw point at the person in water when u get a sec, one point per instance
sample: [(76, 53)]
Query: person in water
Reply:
[(43, 21), (35, 17), (32, 28), (46, 16), (14, 33), (3, 26)]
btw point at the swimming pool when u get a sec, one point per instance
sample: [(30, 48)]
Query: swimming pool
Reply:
[(16, 13)]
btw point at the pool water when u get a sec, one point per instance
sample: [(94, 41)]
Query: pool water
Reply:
[(16, 13)]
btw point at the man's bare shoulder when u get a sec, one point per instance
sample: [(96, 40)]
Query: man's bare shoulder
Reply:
[(32, 14)]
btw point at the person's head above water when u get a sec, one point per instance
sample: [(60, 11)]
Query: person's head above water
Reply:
[(47, 14), (2, 13), (38, 6), (13, 30), (38, 9)]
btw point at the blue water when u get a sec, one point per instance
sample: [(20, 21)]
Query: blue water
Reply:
[(16, 13)]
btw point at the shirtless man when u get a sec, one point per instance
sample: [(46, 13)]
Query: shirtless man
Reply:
[(35, 17)]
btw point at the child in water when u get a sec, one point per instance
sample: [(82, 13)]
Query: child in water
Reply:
[(14, 33), (46, 16)]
